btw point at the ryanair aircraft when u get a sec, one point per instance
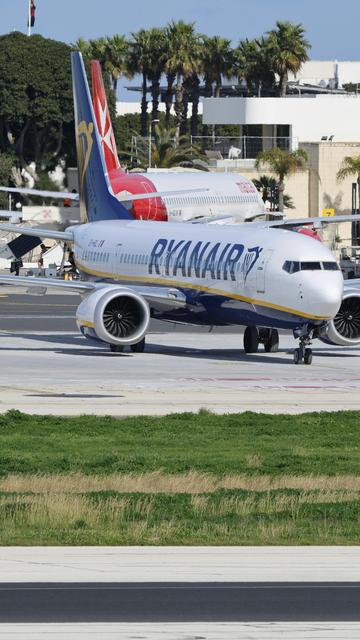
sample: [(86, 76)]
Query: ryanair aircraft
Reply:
[(250, 274)]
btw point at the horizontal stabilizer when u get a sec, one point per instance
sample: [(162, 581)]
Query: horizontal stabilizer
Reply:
[(43, 194), (41, 233)]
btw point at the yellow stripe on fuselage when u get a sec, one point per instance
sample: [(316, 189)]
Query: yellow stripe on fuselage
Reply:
[(198, 287)]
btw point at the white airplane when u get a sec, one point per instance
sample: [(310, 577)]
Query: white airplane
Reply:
[(253, 275)]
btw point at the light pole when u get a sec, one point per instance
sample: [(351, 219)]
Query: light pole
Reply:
[(150, 129)]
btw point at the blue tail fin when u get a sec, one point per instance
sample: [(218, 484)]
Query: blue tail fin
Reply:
[(96, 199)]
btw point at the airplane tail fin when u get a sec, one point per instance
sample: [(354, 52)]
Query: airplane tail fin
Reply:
[(103, 119), (97, 201)]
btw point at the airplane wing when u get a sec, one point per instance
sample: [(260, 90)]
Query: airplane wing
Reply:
[(159, 298), (132, 197), (7, 214), (317, 222), (225, 219), (44, 194), (121, 197), (353, 283), (39, 233)]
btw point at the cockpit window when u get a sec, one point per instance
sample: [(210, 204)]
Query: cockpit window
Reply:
[(310, 266), (292, 266), (331, 266)]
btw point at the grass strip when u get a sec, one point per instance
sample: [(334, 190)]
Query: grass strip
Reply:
[(224, 517), (249, 443)]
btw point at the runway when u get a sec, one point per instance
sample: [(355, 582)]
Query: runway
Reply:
[(174, 602), (46, 369)]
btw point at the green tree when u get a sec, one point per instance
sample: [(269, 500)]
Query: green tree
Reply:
[(217, 61), (350, 167), (6, 166), (116, 52), (252, 62), (166, 153), (287, 48), (157, 53), (183, 59), (269, 189), (282, 163), (36, 105)]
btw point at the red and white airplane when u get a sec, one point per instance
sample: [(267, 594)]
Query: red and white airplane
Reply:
[(220, 193), (173, 196)]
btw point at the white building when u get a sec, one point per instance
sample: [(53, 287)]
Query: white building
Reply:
[(331, 73), (306, 118)]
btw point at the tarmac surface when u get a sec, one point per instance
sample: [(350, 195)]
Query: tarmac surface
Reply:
[(48, 367), (179, 602)]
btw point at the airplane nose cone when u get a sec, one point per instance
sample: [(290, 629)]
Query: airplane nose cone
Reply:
[(326, 297)]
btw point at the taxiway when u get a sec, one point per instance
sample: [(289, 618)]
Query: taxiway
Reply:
[(48, 367)]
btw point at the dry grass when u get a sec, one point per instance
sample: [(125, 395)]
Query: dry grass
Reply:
[(159, 482), (272, 517)]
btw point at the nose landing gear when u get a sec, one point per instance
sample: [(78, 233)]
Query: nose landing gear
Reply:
[(304, 353)]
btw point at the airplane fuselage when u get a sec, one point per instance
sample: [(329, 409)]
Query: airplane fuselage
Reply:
[(229, 275), (230, 194)]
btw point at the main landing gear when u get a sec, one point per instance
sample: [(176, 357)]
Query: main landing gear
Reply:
[(254, 336), (138, 347)]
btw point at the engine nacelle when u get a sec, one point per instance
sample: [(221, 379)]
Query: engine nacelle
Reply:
[(344, 329), (115, 315)]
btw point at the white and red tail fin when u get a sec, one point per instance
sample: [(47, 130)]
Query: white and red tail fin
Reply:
[(103, 119)]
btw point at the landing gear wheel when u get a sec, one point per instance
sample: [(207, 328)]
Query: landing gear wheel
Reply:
[(297, 356), (308, 356), (271, 343), (116, 348), (251, 340), (138, 347)]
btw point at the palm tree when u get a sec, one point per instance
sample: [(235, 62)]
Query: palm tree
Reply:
[(288, 50), (116, 58), (139, 62), (166, 153), (183, 59), (350, 167), (253, 64), (98, 50), (269, 189), (217, 61), (83, 46), (157, 52), (282, 163)]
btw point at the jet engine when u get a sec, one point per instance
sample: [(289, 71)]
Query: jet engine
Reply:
[(344, 329), (115, 315)]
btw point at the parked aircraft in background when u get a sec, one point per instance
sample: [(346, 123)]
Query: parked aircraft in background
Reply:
[(244, 274), (224, 193), (165, 196)]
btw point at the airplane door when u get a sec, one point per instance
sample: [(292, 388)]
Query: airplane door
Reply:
[(261, 271)]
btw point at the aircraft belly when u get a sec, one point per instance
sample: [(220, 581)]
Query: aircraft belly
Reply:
[(207, 309)]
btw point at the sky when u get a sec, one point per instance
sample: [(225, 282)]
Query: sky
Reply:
[(331, 27)]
